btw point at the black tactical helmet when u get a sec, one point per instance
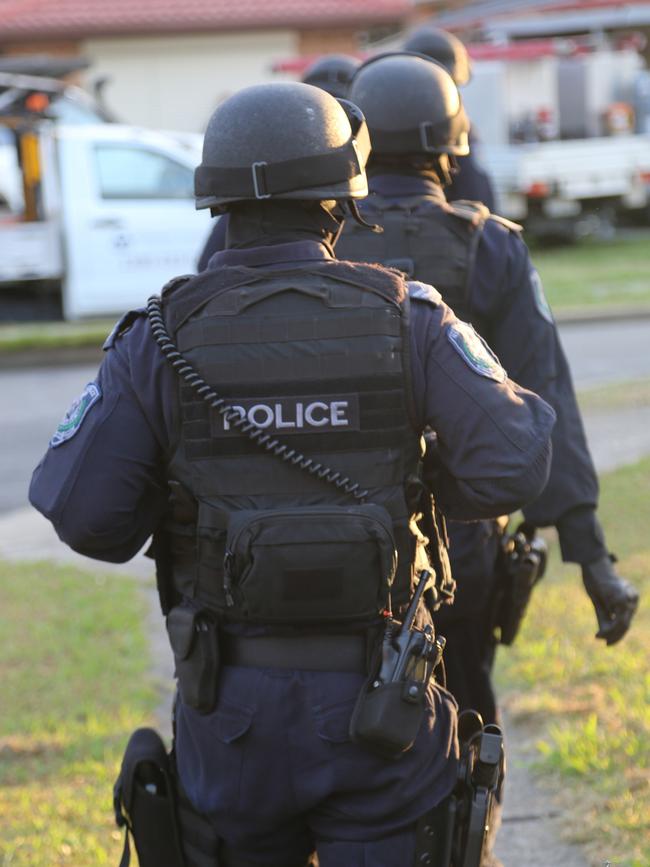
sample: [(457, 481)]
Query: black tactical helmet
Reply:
[(443, 47), (411, 105), (332, 72), (282, 141)]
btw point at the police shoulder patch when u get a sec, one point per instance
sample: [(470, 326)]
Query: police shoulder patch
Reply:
[(475, 352), (542, 305), (72, 420), (424, 292)]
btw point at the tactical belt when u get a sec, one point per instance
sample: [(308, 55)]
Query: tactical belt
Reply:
[(305, 652)]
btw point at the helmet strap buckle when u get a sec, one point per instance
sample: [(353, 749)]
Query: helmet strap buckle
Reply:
[(259, 180), (427, 139)]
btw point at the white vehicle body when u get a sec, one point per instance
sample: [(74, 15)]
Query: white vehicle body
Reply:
[(547, 130), (566, 177), (116, 216)]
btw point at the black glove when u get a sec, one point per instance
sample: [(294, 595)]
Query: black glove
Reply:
[(614, 599)]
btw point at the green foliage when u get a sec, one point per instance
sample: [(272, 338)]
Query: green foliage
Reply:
[(590, 704), (595, 273), (74, 665)]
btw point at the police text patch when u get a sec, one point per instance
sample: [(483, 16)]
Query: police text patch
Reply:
[(286, 415), (475, 352), (72, 420)]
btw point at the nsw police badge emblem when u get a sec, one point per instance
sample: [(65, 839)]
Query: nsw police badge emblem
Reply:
[(71, 421), (475, 352)]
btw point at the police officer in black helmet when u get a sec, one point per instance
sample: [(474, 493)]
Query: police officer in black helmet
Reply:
[(332, 73), (470, 180), (261, 420), (482, 268)]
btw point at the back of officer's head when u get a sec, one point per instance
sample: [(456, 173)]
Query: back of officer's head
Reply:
[(443, 47), (282, 141), (414, 113), (332, 73)]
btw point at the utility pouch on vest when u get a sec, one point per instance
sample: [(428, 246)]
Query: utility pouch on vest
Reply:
[(145, 803), (390, 708), (194, 638), (313, 564)]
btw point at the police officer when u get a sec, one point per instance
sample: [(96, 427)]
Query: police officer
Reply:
[(482, 267), (470, 181), (332, 73), (260, 421)]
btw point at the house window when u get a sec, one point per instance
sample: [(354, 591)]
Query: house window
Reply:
[(130, 172)]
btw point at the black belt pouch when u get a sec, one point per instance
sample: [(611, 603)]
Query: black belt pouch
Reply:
[(144, 799), (387, 719), (194, 638)]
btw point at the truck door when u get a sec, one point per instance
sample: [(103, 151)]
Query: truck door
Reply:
[(129, 218)]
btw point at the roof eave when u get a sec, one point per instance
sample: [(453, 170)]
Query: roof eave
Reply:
[(165, 29)]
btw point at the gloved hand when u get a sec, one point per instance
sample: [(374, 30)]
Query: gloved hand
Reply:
[(614, 599)]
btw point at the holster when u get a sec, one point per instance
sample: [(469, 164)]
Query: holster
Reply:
[(457, 832), (146, 803), (391, 705), (521, 565), (150, 804)]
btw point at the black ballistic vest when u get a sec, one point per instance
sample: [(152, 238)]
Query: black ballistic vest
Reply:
[(316, 356), (431, 241)]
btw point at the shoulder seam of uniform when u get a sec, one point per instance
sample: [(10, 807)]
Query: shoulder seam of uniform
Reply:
[(509, 224), (423, 292), (122, 326), (175, 283), (473, 212)]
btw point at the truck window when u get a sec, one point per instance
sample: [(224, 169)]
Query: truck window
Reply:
[(127, 172), (67, 110)]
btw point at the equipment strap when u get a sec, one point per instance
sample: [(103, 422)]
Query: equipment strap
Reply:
[(125, 860), (261, 180)]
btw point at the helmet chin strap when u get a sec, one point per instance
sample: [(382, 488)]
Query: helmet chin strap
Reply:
[(356, 216), (447, 167)]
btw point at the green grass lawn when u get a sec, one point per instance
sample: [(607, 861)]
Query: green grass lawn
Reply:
[(596, 273), (590, 704), (614, 396), (74, 679), (45, 335)]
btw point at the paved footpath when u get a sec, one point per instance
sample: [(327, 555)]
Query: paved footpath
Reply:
[(531, 832)]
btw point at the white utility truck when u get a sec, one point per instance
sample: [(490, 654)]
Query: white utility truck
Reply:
[(100, 214), (564, 128)]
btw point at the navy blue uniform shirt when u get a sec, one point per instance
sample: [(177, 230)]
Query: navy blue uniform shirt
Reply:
[(104, 487)]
